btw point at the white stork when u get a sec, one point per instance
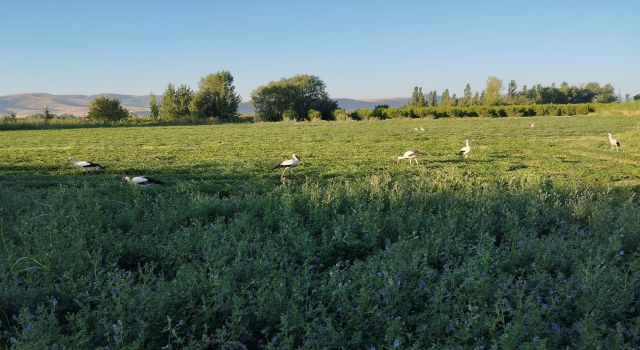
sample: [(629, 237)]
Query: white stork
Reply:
[(411, 155), (613, 142), (533, 124), (415, 129), (142, 180), (466, 149), (421, 129), (288, 164), (88, 167)]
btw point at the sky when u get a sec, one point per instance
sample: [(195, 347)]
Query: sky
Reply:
[(360, 49)]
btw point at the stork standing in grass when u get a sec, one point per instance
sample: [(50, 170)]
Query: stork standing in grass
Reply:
[(533, 124), (613, 142), (88, 167), (288, 164), (421, 129), (142, 180), (466, 149), (411, 155)]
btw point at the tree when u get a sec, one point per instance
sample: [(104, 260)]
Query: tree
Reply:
[(184, 95), (636, 97), (454, 100), (153, 106), (216, 97), (606, 94), (107, 109), (477, 99), (446, 99), (433, 98), (492, 91), (46, 115), (299, 94), (511, 90), (417, 98), (467, 99), (175, 102), (627, 97), (169, 106)]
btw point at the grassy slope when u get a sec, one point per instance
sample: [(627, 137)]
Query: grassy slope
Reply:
[(533, 240)]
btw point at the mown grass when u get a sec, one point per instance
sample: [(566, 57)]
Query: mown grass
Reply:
[(533, 242)]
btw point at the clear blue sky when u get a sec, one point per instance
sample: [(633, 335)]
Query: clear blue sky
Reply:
[(361, 49)]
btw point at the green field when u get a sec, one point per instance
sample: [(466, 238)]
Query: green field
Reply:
[(533, 242)]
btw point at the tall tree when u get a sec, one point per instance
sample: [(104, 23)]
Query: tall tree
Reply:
[(492, 91), (477, 99), (454, 100), (511, 90), (433, 98), (184, 95), (446, 99), (169, 105), (467, 99), (417, 98), (216, 97), (153, 106), (297, 94)]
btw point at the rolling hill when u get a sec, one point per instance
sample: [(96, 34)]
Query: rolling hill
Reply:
[(31, 103)]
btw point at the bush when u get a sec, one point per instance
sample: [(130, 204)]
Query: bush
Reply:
[(314, 115), (106, 109)]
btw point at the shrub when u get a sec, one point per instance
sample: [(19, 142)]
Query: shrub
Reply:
[(314, 115), (106, 109)]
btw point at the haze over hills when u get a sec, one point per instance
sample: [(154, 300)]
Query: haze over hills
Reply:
[(32, 103)]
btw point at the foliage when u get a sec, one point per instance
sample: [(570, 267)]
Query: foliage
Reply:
[(636, 97), (300, 93), (530, 243), (340, 115), (216, 97), (104, 108), (417, 98), (154, 108), (314, 115), (175, 102), (492, 92)]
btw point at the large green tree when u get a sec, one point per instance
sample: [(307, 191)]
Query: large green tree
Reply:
[(492, 91), (106, 109), (216, 97), (298, 94), (176, 102)]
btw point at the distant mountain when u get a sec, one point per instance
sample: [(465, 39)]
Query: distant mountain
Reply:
[(28, 104)]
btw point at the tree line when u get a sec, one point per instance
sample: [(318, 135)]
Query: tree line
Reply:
[(304, 97), (492, 95)]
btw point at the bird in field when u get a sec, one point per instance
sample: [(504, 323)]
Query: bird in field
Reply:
[(142, 180), (421, 129), (415, 129), (411, 155), (533, 124), (88, 167), (613, 142), (288, 165), (466, 149)]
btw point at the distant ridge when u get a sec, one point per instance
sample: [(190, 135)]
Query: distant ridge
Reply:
[(32, 103)]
